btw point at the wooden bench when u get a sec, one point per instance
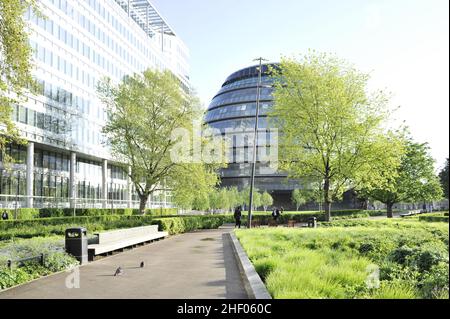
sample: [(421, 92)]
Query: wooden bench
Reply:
[(110, 241), (291, 223), (273, 223), (256, 223)]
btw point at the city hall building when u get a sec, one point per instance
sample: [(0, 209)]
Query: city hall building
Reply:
[(233, 112), (66, 161)]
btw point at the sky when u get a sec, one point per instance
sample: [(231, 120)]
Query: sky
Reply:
[(403, 44)]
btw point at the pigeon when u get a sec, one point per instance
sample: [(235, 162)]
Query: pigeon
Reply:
[(119, 271), (142, 264)]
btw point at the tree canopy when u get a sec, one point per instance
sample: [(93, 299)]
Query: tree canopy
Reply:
[(332, 128), (15, 64), (443, 177), (144, 111), (415, 181)]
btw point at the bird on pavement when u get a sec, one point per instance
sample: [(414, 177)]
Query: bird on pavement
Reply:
[(142, 264), (119, 271)]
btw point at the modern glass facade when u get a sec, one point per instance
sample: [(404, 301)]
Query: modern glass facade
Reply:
[(77, 43), (233, 110)]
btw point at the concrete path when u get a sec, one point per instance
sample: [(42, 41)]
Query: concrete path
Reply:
[(194, 265)]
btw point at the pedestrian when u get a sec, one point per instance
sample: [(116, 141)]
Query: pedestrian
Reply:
[(5, 215), (238, 216), (275, 214)]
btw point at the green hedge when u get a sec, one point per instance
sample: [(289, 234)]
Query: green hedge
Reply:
[(178, 225), (42, 227), (434, 219), (57, 225), (22, 213), (31, 213), (302, 217)]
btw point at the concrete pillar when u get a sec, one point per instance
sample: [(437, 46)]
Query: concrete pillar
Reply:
[(129, 189), (104, 183), (30, 174), (73, 179)]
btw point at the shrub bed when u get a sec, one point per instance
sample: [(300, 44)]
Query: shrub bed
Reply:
[(334, 262), (31, 213), (178, 225), (55, 260), (302, 217), (434, 219)]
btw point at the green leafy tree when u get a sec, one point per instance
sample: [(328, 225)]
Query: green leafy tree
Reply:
[(191, 186), (15, 66), (143, 112), (245, 197), (414, 182), (443, 177), (266, 200), (300, 197), (234, 198), (332, 128)]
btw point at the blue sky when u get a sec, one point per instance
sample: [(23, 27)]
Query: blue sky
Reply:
[(403, 43)]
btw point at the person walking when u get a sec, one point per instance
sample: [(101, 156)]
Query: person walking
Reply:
[(238, 216)]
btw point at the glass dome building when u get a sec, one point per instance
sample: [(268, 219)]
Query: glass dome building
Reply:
[(233, 112)]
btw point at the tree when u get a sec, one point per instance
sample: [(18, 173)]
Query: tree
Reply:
[(245, 197), (266, 200), (143, 112), (191, 186), (414, 182), (443, 177), (15, 65), (332, 129), (299, 197), (233, 198)]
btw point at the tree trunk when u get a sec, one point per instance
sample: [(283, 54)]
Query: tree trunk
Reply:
[(142, 204), (326, 195), (389, 210)]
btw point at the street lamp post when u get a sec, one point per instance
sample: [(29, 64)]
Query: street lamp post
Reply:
[(255, 140)]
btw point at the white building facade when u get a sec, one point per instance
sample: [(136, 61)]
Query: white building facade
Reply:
[(76, 43)]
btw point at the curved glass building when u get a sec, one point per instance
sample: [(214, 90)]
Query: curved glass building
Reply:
[(233, 112)]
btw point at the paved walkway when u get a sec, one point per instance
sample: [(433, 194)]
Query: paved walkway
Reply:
[(194, 265)]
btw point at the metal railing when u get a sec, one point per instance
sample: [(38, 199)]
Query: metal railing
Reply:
[(20, 201), (22, 261)]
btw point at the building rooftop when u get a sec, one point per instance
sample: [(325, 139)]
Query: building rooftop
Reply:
[(146, 16)]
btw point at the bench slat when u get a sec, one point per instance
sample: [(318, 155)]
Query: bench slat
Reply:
[(102, 248)]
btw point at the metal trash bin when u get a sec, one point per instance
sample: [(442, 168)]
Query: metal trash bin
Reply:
[(312, 222), (77, 243)]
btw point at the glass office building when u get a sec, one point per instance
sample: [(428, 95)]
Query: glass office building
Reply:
[(233, 112), (78, 42)]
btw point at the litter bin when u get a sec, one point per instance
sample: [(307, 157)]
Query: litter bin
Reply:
[(312, 222), (77, 243)]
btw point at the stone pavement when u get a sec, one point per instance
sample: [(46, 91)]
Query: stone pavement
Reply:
[(199, 265)]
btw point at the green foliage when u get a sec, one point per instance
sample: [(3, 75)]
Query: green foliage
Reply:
[(332, 128), (15, 66), (55, 259), (266, 200), (22, 213), (415, 180), (443, 178), (178, 225), (144, 112), (300, 197), (333, 262)]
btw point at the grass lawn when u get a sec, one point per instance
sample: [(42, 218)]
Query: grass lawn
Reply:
[(335, 261)]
